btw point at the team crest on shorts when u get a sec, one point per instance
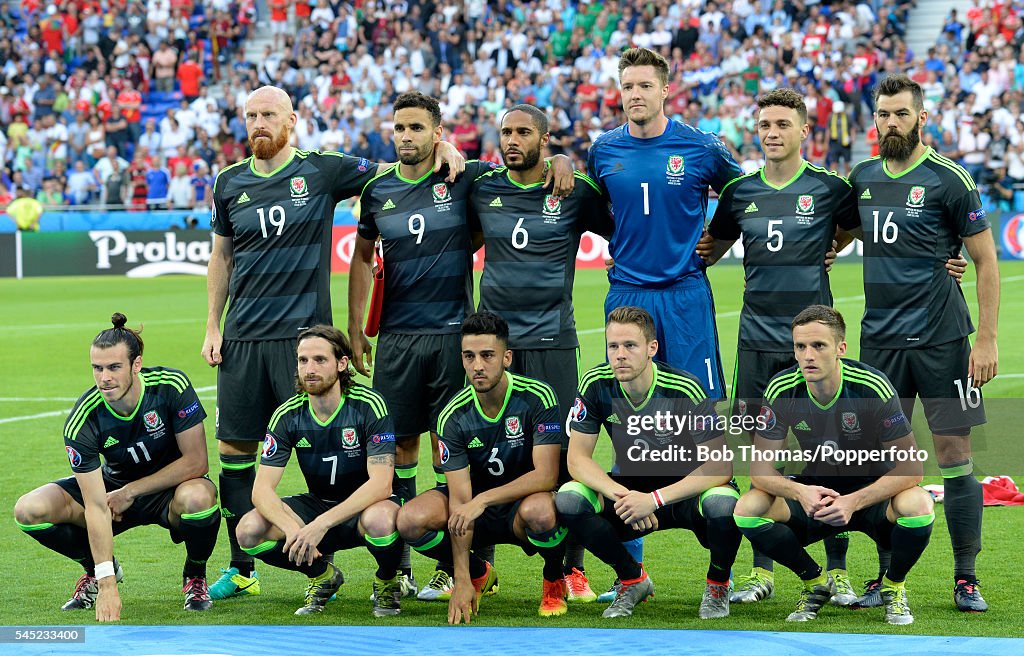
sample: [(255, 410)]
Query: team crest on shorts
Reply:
[(916, 197), (152, 420), (298, 187), (349, 439), (441, 193), (805, 204), (513, 428)]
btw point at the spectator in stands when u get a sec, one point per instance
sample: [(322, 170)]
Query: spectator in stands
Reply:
[(189, 75), (163, 64), (158, 181), (180, 193), (115, 186), (81, 186), (25, 210)]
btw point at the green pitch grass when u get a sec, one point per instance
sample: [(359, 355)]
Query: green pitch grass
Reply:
[(48, 324)]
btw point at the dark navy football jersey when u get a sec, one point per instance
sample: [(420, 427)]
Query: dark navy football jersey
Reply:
[(280, 228), (140, 444), (498, 450), (332, 454), (786, 232), (913, 222)]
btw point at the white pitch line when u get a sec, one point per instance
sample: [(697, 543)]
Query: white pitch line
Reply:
[(41, 415)]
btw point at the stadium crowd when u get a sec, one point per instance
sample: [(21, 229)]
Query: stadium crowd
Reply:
[(114, 102)]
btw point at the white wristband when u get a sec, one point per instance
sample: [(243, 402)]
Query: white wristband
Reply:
[(104, 569)]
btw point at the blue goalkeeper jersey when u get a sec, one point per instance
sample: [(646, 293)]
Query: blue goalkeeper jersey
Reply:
[(658, 189)]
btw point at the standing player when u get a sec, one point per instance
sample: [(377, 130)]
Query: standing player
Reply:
[(602, 510), (531, 238), (422, 222), (850, 408), (272, 217), (147, 424), (918, 208), (341, 435), (499, 440), (787, 213), (656, 173)]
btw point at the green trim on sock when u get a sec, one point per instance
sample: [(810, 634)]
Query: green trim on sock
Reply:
[(751, 522), (583, 491), (845, 535), (260, 548), (820, 579), (429, 545), (202, 514), (889, 583), (237, 466), (406, 471), (34, 527), (554, 541), (720, 491), (384, 541), (958, 471), (919, 521), (440, 478)]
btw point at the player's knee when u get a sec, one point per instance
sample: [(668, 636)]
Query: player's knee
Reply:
[(716, 506), (913, 502), (379, 519), (195, 496), (411, 521), (250, 530), (574, 499), (538, 512), (753, 503), (32, 508)]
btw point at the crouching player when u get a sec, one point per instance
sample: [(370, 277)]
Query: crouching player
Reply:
[(499, 441), (603, 510), (341, 435), (148, 425), (836, 408)]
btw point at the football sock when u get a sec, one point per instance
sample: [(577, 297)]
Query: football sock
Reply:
[(439, 477), (635, 548), (780, 543), (573, 555), (435, 545), (963, 505), (272, 553), (910, 536), (763, 561), (404, 486), (237, 474), (884, 558), (835, 551), (487, 553), (66, 539), (716, 505), (387, 551), (199, 531), (551, 546), (577, 512)]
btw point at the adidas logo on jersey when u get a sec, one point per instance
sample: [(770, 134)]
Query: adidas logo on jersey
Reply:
[(475, 443), (866, 195), (303, 443), (614, 419), (388, 205), (110, 442), (750, 208), (244, 198), (802, 426), (496, 202)]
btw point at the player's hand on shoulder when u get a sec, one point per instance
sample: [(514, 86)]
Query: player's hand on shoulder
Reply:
[(560, 176), (211, 348), (362, 351), (956, 266), (446, 153), (464, 603)]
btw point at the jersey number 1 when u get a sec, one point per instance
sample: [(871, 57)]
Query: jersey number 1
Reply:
[(647, 200)]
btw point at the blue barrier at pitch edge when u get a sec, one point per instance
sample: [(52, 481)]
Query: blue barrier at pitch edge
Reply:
[(497, 641), (122, 220)]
